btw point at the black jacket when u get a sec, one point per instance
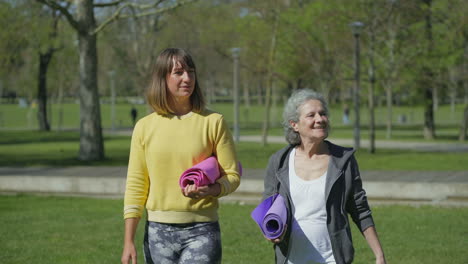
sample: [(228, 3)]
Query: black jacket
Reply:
[(343, 194)]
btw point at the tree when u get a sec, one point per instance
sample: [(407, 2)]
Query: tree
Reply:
[(82, 19), (12, 47), (45, 57), (428, 75), (271, 66)]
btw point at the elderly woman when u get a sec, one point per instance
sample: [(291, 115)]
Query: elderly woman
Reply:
[(321, 184)]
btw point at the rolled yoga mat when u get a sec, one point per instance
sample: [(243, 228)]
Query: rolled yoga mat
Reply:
[(201, 174), (271, 216)]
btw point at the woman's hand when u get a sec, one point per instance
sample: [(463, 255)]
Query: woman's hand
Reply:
[(129, 254), (279, 239), (373, 240), (129, 250), (195, 192), (380, 260)]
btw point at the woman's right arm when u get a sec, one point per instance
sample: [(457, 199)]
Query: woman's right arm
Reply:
[(270, 188), (129, 250), (136, 193)]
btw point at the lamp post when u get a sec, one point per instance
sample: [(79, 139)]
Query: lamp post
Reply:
[(235, 88), (356, 28)]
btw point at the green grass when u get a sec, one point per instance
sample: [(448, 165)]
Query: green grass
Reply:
[(13, 116), (414, 114), (253, 155), (83, 230), (32, 148)]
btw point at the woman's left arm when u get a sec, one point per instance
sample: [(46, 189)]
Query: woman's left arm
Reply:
[(360, 212), (373, 240), (224, 150), (226, 154)]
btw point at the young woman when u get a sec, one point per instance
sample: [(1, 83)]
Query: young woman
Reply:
[(182, 224)]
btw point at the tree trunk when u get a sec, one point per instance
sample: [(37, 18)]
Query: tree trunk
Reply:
[(91, 142), (453, 91), (464, 125), (208, 92), (259, 92), (356, 96), (1, 96), (44, 60), (371, 93), (429, 127), (246, 93), (435, 94), (269, 88), (428, 75), (60, 104), (298, 84), (389, 92), (391, 69)]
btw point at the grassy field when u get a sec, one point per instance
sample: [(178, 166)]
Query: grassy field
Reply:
[(32, 148), (13, 116), (84, 230)]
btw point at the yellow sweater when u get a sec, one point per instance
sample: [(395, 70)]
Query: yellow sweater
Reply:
[(164, 147)]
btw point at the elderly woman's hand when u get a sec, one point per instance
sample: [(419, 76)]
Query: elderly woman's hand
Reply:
[(279, 239), (380, 260)]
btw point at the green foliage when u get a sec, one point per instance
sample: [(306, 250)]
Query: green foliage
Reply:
[(14, 41), (315, 48)]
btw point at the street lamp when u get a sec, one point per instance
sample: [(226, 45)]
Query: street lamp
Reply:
[(235, 88), (356, 28)]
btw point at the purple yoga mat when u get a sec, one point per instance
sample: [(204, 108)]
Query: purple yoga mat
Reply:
[(203, 173), (271, 216)]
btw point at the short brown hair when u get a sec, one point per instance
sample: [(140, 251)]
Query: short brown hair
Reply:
[(157, 93)]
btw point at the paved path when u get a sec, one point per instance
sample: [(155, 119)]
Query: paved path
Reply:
[(442, 188), (422, 187)]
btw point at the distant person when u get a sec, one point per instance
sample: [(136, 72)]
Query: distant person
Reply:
[(321, 184), (134, 114), (182, 224), (346, 114)]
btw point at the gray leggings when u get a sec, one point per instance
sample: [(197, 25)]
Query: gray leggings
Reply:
[(195, 243)]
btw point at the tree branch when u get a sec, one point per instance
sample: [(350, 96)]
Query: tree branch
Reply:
[(108, 4), (117, 14), (63, 10)]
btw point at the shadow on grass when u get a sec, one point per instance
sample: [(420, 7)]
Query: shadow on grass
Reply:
[(34, 148), (31, 136), (63, 161), (22, 137)]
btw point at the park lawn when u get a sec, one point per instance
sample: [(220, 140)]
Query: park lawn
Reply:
[(33, 148), (66, 116), (413, 133), (85, 230), (253, 155)]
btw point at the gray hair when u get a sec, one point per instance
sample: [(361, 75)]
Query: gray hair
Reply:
[(291, 112)]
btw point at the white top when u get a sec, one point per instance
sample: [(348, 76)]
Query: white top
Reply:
[(309, 242)]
